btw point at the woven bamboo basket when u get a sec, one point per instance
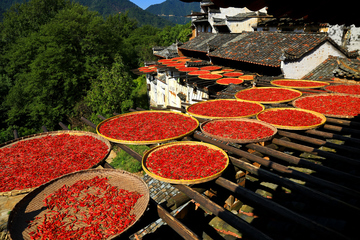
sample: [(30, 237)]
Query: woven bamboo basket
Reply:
[(40, 135), (270, 102), (124, 141), (321, 84), (180, 181), (242, 141), (328, 94), (323, 119), (32, 205), (210, 117)]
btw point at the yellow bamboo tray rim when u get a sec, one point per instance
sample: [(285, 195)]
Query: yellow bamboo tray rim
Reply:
[(322, 84), (234, 140), (270, 102), (181, 181), (210, 117), (148, 141), (321, 116), (52, 133), (328, 94)]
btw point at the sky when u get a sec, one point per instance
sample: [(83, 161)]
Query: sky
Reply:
[(146, 3)]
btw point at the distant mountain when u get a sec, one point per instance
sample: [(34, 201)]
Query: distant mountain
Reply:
[(174, 10), (108, 7)]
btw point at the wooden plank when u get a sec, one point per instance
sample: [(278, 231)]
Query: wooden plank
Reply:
[(333, 136), (300, 161), (175, 224), (245, 228), (277, 209), (326, 199), (318, 142)]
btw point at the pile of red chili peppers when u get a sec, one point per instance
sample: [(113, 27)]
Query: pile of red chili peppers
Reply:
[(225, 108), (88, 209), (186, 162), (30, 163), (148, 126), (289, 117), (237, 129)]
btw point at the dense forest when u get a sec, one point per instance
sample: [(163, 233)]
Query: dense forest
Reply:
[(60, 61)]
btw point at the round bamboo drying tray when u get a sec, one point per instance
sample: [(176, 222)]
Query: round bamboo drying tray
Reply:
[(321, 116), (210, 76), (217, 100), (269, 102), (328, 94), (236, 81), (44, 134), (32, 205), (320, 83), (180, 181), (232, 140), (146, 142), (350, 85)]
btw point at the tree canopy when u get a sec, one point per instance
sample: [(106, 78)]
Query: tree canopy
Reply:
[(57, 55)]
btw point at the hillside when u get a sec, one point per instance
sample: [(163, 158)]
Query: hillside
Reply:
[(174, 10), (108, 7)]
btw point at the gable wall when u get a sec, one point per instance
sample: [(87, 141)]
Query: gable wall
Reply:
[(299, 68)]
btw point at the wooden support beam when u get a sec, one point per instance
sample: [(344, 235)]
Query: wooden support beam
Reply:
[(332, 135), (319, 142), (16, 134), (175, 224), (63, 126), (88, 122), (277, 209), (344, 130), (327, 155), (325, 199), (343, 122), (249, 231)]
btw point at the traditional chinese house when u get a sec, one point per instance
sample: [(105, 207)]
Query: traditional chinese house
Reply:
[(262, 54)]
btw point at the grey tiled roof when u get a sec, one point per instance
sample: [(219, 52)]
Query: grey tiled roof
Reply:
[(263, 48)]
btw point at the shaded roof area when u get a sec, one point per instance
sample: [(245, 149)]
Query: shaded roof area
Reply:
[(336, 67), (263, 48), (344, 12)]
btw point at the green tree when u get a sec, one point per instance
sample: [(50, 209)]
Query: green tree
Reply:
[(53, 65), (111, 91)]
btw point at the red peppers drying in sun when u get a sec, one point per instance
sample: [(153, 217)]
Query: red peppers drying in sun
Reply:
[(289, 117), (30, 163), (238, 130), (225, 108), (148, 126), (331, 104), (186, 162), (88, 209), (348, 89), (267, 94)]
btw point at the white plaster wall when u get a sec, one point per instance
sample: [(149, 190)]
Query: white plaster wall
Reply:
[(335, 32), (354, 43), (298, 69), (245, 25)]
